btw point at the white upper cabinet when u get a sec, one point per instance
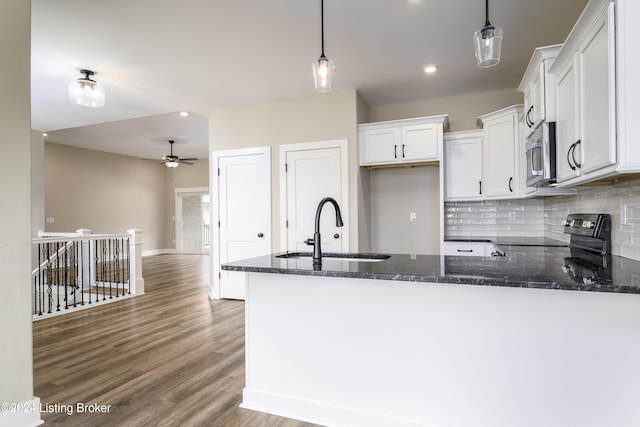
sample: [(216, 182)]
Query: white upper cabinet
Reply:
[(463, 165), (402, 141), (500, 168), (598, 94), (538, 87)]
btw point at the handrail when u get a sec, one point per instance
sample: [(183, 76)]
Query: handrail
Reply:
[(82, 268)]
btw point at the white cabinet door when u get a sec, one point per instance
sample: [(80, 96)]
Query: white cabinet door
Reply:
[(402, 141), (567, 124), (586, 101), (498, 156), (463, 167), (419, 142), (381, 145), (597, 100)]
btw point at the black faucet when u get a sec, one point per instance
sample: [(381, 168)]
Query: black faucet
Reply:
[(317, 252)]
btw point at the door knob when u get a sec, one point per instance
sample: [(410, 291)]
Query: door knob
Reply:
[(260, 235)]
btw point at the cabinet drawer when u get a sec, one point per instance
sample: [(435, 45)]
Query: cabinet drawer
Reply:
[(466, 249)]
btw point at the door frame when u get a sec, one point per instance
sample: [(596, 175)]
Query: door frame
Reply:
[(343, 145), (178, 212), (214, 283)]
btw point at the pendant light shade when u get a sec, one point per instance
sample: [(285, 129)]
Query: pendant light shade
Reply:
[(86, 92), (323, 67), (323, 74), (487, 43)]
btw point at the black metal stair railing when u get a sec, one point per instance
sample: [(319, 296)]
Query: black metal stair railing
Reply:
[(73, 272)]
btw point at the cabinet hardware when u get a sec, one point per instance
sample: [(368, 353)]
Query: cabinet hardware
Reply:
[(480, 185), (573, 154), (569, 154), (527, 118), (395, 151), (403, 151), (465, 250), (510, 184), (260, 235), (336, 236)]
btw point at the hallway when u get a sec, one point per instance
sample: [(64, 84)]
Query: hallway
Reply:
[(171, 357)]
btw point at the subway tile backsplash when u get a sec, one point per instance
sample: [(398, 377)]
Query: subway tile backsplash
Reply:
[(512, 218), (621, 201), (543, 217)]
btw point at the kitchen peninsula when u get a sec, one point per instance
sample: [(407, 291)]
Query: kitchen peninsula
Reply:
[(442, 341)]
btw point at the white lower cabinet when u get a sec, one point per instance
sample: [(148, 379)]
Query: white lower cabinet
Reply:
[(467, 249)]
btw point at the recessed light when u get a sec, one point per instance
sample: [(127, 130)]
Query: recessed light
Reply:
[(184, 113), (44, 134), (430, 68)]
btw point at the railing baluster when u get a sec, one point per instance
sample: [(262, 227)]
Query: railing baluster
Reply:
[(71, 267)]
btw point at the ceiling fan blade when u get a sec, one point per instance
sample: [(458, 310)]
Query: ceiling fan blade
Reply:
[(189, 158), (184, 163)]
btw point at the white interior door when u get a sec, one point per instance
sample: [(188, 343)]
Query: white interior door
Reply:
[(315, 171), (244, 214)]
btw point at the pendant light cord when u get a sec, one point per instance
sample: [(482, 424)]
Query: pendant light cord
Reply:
[(322, 26), (487, 23)]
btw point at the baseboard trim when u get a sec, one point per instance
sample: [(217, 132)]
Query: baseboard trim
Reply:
[(27, 416), (319, 412)]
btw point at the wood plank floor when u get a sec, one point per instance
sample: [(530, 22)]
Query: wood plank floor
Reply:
[(171, 357)]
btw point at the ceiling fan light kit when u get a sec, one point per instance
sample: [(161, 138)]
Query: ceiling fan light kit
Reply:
[(323, 68), (86, 92), (487, 42), (171, 161)]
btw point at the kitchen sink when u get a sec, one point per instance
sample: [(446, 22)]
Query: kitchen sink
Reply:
[(360, 257)]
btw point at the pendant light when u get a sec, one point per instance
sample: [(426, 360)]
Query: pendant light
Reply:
[(323, 67), (86, 92), (488, 43)]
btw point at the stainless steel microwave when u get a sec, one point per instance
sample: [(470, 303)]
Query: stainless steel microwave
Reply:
[(540, 150)]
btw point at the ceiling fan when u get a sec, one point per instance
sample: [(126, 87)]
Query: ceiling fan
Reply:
[(172, 161)]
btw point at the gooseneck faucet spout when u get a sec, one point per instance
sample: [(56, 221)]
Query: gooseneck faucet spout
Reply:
[(316, 242)]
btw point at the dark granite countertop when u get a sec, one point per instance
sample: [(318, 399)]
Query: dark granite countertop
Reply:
[(541, 267)]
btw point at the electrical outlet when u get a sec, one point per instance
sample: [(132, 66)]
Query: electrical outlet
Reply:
[(412, 216), (50, 220)]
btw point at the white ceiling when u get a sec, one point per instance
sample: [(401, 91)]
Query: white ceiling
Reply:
[(158, 57)]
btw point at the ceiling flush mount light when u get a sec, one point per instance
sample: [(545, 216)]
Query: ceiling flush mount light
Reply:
[(86, 92), (323, 67), (488, 42), (430, 69)]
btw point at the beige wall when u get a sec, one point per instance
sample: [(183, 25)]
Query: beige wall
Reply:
[(16, 369), (463, 110), (395, 193), (319, 117), (107, 193)]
